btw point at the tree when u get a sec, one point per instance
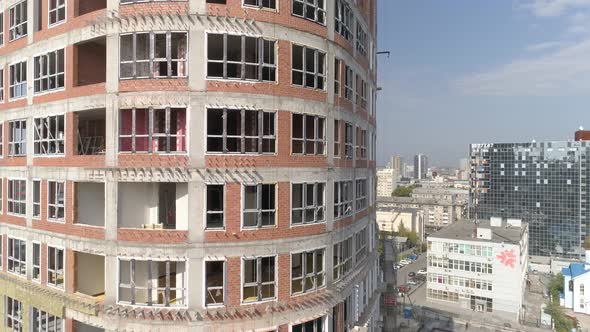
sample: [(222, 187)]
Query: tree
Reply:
[(562, 322), (402, 191), (413, 237)]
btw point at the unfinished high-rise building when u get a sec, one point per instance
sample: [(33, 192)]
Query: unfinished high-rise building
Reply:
[(198, 165)]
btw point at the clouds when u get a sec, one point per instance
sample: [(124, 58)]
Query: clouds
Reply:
[(553, 68), (565, 71), (553, 8)]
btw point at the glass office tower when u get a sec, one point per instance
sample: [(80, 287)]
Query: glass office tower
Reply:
[(542, 183)]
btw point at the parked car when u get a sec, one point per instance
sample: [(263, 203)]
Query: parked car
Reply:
[(411, 282), (412, 274), (404, 262), (413, 257), (396, 267), (422, 272)]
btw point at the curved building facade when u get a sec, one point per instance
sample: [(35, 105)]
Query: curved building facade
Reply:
[(197, 165)]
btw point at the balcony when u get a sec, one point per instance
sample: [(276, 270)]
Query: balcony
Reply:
[(89, 204), (89, 276), (90, 128)]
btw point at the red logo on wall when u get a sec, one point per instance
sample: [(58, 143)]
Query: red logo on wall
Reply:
[(507, 258)]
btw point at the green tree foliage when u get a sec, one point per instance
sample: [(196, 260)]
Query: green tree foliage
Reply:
[(562, 322), (412, 236), (402, 191)]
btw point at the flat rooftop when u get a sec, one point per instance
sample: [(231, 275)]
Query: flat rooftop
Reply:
[(464, 230)]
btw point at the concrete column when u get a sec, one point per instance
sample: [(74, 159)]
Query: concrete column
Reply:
[(31, 15), (196, 130), (330, 201), (30, 145), (330, 132), (330, 15), (111, 194), (196, 199), (195, 290), (112, 5), (29, 199), (112, 129), (196, 68), (197, 6), (110, 279), (112, 62)]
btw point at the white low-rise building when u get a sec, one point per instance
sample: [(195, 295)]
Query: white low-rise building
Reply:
[(576, 287), (482, 269)]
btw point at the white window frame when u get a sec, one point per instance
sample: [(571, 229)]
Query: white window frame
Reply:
[(348, 143), (18, 84), (1, 73), (37, 204), (362, 40), (262, 5), (36, 261), (262, 136), (361, 194), (2, 30), (259, 210), (55, 270), (56, 205), (44, 74), (337, 138), (263, 44), (348, 83), (182, 289), (342, 258), (47, 139), (13, 25), (319, 72), (259, 283), (320, 321), (13, 317), (152, 133), (215, 212), (319, 12), (360, 239), (42, 321), (337, 77), (20, 259), (319, 272), (151, 59), (221, 288), (306, 208), (343, 198), (319, 143), (21, 143), (59, 8), (12, 200), (344, 20)]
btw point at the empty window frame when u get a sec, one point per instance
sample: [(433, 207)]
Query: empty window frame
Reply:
[(308, 134), (262, 4), (342, 259), (315, 325), (17, 16), (361, 194), (344, 19), (215, 203), (241, 57), (153, 55), (49, 71), (307, 271), (1, 77), (17, 197), (240, 131), (55, 267), (259, 279), (364, 94), (361, 244), (337, 76), (337, 138), (348, 140), (361, 143), (14, 314), (342, 198), (18, 80), (45, 322), (56, 200), (36, 261), (259, 206), (307, 203), (152, 130), (1, 28), (17, 256), (214, 283), (308, 67), (57, 11), (1, 140), (362, 40), (17, 139), (152, 283), (348, 83), (49, 135), (36, 199), (313, 10)]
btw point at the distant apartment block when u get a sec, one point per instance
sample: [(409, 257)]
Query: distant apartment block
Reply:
[(420, 166), (188, 165), (544, 183), (479, 268), (435, 213), (386, 181)]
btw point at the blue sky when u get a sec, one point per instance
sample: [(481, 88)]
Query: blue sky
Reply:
[(465, 72)]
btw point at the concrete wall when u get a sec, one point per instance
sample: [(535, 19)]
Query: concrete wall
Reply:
[(90, 199), (135, 201)]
